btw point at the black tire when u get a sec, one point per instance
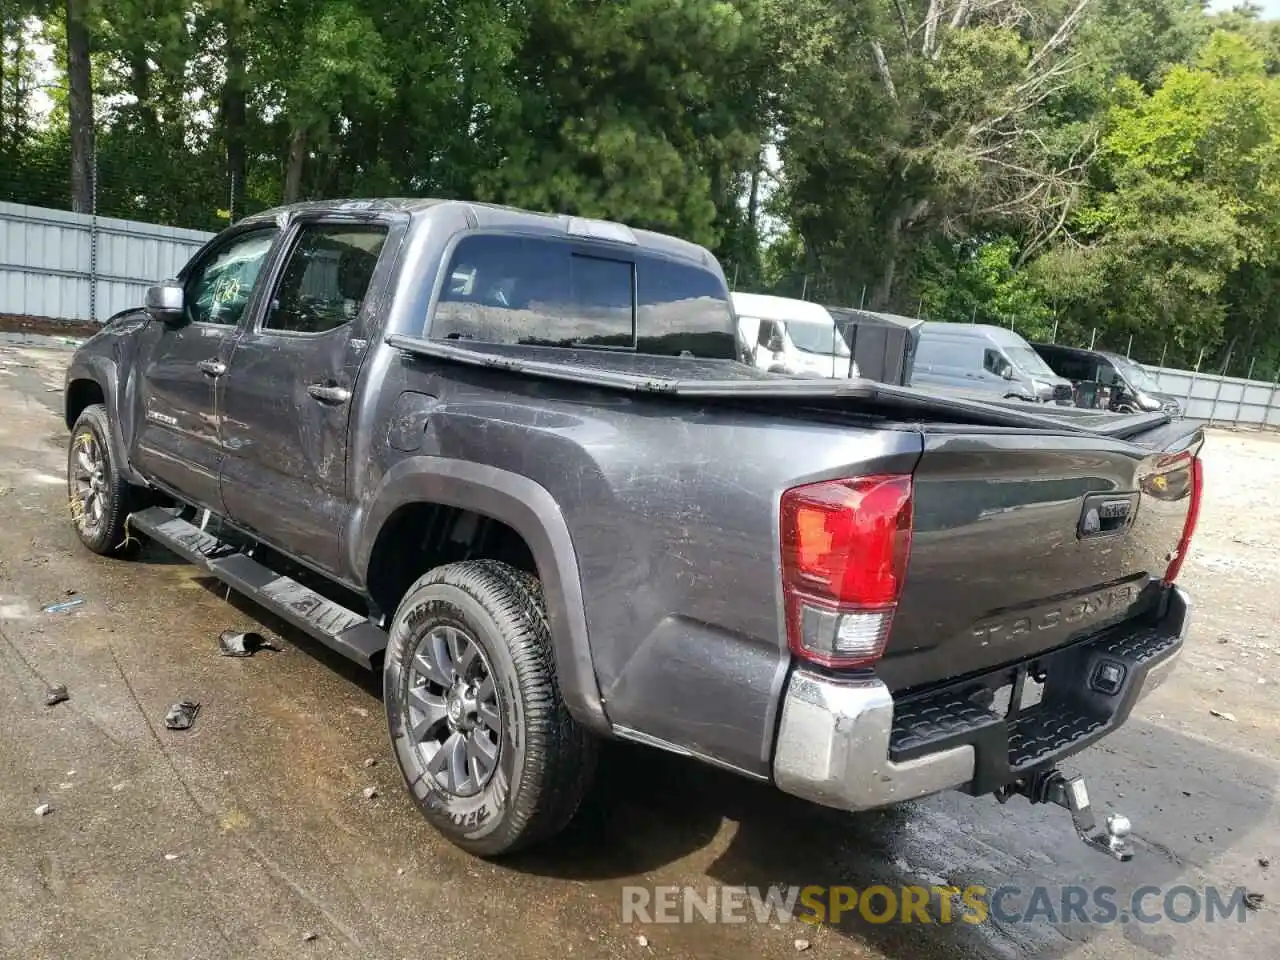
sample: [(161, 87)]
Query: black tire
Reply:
[(544, 758), (99, 520)]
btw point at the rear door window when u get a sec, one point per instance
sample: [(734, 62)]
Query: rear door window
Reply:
[(530, 290)]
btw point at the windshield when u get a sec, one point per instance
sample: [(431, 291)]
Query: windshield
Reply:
[(816, 338), (1028, 361), (1136, 376)]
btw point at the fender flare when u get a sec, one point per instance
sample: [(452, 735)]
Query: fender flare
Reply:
[(532, 512), (105, 373)]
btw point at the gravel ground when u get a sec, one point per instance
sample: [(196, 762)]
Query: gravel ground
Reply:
[(249, 835)]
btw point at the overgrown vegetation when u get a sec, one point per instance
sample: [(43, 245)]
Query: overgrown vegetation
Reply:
[(1105, 169)]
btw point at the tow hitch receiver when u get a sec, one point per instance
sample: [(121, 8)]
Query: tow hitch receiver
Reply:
[(1053, 786)]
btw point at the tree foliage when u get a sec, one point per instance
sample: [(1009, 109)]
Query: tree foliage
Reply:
[(1105, 169)]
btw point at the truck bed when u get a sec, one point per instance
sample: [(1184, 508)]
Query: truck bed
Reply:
[(704, 379)]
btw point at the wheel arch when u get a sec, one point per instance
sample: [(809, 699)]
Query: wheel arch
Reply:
[(523, 507), (95, 380)]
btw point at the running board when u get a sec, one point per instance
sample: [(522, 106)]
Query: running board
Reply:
[(343, 630)]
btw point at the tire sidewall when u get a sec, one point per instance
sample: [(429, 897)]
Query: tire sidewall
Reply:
[(93, 420), (485, 819)]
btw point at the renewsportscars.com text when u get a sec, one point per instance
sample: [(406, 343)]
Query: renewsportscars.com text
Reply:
[(933, 904)]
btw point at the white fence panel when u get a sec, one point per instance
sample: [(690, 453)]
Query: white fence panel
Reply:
[(72, 266), (1217, 399)]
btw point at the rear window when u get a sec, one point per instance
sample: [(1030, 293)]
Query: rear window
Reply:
[(548, 292), (545, 292)]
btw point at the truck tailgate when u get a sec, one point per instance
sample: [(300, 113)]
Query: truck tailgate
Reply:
[(1022, 543)]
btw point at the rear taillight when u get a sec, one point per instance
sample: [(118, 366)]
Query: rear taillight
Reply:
[(1196, 476), (844, 558)]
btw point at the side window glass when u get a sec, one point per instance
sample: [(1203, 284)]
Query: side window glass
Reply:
[(1107, 375), (995, 362), (219, 288), (326, 278)]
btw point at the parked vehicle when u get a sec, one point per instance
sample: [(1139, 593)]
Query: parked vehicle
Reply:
[(513, 462), (979, 357), (793, 336), (883, 344), (1107, 381)]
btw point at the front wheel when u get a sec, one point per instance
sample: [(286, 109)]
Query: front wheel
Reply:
[(99, 497), (487, 747)]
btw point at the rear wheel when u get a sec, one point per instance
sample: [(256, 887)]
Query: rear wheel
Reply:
[(487, 747), (99, 497)]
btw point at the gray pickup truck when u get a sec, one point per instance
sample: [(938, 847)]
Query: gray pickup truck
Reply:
[(514, 462)]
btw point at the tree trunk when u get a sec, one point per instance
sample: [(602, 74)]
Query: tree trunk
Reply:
[(80, 106), (753, 204), (882, 290), (294, 165), (4, 139), (140, 87), (233, 119)]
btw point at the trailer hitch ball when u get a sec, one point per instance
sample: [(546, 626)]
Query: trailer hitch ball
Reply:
[(1053, 786)]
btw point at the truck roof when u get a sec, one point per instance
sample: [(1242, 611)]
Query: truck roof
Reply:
[(473, 214)]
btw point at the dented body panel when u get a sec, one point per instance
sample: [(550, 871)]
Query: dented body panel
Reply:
[(652, 519)]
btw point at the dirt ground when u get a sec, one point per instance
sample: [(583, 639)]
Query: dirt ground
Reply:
[(249, 835)]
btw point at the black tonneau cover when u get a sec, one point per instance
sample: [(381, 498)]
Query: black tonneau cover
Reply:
[(707, 379)]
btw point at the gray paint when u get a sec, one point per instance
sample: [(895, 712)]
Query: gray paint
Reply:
[(652, 520)]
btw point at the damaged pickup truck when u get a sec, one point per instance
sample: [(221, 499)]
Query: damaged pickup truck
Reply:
[(514, 462)]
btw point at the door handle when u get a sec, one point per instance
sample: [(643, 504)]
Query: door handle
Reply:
[(212, 368), (327, 394)]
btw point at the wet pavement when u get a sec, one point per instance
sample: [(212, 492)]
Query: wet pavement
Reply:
[(249, 835)]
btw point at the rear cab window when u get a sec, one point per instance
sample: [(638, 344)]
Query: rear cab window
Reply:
[(546, 291)]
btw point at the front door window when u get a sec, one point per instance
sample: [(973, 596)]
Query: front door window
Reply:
[(218, 288)]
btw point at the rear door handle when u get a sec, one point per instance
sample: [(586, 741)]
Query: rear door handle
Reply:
[(327, 394), (212, 368)]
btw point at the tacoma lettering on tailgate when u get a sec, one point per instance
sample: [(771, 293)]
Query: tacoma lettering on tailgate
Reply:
[(1078, 612)]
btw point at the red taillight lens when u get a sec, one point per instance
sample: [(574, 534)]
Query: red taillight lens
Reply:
[(1193, 515), (844, 558)]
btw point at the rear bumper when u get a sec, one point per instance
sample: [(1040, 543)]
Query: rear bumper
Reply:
[(847, 743)]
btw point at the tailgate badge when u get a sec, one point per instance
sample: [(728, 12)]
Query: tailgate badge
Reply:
[(1103, 515)]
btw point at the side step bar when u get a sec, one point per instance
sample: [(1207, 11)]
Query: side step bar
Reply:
[(343, 630)]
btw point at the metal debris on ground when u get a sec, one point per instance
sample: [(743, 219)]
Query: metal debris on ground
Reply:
[(1253, 901), (171, 857), (242, 643), (642, 940), (369, 792), (1263, 862), (64, 606), (44, 810), (182, 715), (370, 762), (309, 936), (56, 694), (802, 945), (1223, 714)]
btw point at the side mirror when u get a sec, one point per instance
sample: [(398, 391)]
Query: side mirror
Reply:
[(1007, 373), (165, 303)]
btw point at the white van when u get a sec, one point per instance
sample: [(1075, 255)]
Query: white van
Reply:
[(792, 336)]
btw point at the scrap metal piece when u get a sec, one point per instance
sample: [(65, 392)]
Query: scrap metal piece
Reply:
[(241, 643), (182, 715)]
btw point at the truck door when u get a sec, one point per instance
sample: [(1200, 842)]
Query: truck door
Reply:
[(288, 389), (178, 441)]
